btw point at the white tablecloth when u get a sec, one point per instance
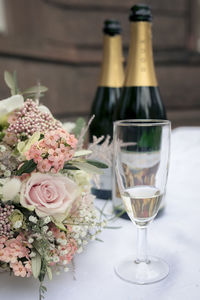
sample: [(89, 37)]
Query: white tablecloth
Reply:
[(175, 236)]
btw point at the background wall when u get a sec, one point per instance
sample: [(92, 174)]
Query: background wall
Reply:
[(59, 42)]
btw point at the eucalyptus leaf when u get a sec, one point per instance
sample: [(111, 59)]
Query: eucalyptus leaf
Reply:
[(87, 167), (34, 89), (16, 90), (36, 265), (80, 123), (99, 240), (82, 153), (8, 77), (27, 167), (10, 81), (68, 166), (33, 95), (97, 164), (49, 273), (60, 225)]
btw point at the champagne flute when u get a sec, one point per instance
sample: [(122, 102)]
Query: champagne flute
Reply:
[(141, 161)]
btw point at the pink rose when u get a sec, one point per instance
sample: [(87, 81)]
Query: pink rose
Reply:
[(48, 194)]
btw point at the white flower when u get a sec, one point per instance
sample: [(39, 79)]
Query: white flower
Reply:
[(104, 223), (83, 234), (45, 228), (10, 189), (62, 242), (30, 240), (49, 233), (33, 219), (69, 126), (92, 237), (2, 167), (10, 104), (17, 224), (2, 148), (80, 250), (63, 252), (7, 173), (76, 236), (56, 259), (47, 220), (66, 269)]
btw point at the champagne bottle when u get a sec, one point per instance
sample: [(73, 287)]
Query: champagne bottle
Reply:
[(107, 94), (140, 98)]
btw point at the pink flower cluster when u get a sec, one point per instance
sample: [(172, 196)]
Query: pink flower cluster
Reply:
[(5, 227), (30, 119), (12, 250), (50, 153), (66, 248)]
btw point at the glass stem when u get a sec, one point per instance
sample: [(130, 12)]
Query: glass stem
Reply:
[(142, 245)]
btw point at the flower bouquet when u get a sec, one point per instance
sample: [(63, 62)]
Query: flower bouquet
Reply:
[(47, 214)]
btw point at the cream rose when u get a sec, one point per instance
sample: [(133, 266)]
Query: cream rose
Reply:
[(48, 194)]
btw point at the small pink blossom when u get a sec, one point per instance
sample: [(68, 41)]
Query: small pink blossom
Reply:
[(19, 269), (50, 153), (28, 268), (10, 138), (10, 256), (44, 165), (2, 255), (72, 141), (12, 118)]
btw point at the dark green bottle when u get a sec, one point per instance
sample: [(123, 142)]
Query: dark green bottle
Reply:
[(108, 92), (140, 98), (110, 82)]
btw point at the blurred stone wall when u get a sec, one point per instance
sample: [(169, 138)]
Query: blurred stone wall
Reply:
[(59, 43)]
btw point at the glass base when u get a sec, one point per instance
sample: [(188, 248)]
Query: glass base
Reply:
[(153, 270)]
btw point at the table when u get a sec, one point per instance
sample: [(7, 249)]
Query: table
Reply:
[(174, 236)]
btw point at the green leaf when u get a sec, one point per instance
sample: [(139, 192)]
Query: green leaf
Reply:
[(9, 80), (35, 89), (43, 269), (60, 225), (82, 153), (68, 166), (2, 134), (113, 227), (49, 273), (97, 164), (80, 123), (99, 240), (16, 90), (36, 265), (27, 167), (87, 167), (8, 77)]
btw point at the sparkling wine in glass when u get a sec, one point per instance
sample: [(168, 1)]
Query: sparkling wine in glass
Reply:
[(141, 161)]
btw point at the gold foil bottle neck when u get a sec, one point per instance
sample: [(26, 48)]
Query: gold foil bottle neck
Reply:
[(112, 72), (140, 67)]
